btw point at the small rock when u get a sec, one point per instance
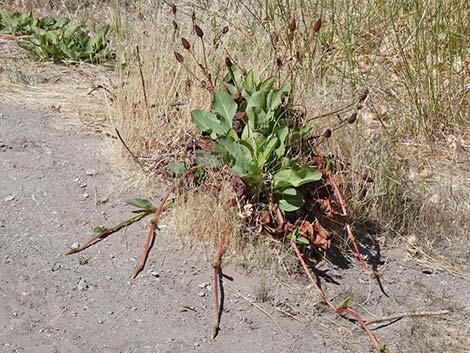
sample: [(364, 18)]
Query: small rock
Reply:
[(428, 271), (91, 172), (196, 344), (75, 246), (82, 285), (155, 274), (203, 285), (109, 278), (56, 267), (85, 195), (9, 198), (201, 294), (101, 321), (82, 185)]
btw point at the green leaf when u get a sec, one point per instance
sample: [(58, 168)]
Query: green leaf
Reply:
[(344, 303), (236, 155), (290, 199), (204, 157), (267, 85), (225, 107), (208, 122), (295, 177), (140, 203), (98, 229), (274, 97), (176, 168), (302, 241)]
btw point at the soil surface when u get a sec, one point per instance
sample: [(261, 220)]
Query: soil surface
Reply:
[(55, 187)]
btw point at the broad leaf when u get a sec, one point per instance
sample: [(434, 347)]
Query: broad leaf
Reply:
[(140, 203), (208, 122), (176, 168), (290, 200), (295, 177), (225, 107), (204, 157)]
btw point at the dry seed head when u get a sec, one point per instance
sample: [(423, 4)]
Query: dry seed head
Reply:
[(352, 118), (293, 25), (327, 133), (317, 25), (173, 9), (225, 30), (185, 43), (179, 57), (193, 16), (326, 48), (363, 96), (279, 62), (228, 62), (198, 31), (175, 25)]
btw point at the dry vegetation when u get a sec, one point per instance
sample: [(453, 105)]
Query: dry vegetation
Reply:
[(412, 137), (403, 167)]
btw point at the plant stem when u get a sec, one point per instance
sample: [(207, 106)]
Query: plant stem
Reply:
[(107, 231), (154, 220), (143, 83), (346, 216), (375, 341), (216, 266)]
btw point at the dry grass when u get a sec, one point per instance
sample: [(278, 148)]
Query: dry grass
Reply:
[(412, 137)]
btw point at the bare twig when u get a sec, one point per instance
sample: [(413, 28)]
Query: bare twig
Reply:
[(143, 83), (134, 157), (412, 314), (10, 36)]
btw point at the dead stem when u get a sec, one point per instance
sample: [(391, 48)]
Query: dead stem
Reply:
[(412, 314), (143, 83)]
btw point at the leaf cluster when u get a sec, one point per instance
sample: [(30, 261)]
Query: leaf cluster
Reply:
[(57, 39), (251, 122)]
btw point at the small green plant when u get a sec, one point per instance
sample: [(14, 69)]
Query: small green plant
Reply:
[(254, 131), (56, 39)]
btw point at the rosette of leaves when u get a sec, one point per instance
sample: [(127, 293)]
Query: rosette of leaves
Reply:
[(28, 24), (70, 44), (250, 122)]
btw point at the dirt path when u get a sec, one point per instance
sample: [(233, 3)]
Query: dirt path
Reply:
[(54, 189)]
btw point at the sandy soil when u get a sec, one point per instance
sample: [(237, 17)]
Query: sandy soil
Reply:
[(55, 187)]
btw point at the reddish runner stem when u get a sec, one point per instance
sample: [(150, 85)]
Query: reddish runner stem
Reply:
[(355, 315), (216, 266), (346, 216), (154, 221)]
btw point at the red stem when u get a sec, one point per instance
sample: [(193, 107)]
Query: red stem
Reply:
[(216, 266), (355, 315), (154, 222), (346, 216)]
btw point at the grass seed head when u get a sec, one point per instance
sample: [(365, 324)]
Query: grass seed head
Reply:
[(225, 30), (185, 43), (363, 95), (175, 25), (173, 9), (327, 133), (228, 62), (352, 118), (179, 57), (198, 31), (317, 25), (293, 25)]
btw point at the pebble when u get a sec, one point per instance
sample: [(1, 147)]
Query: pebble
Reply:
[(75, 246), (203, 285), (85, 195), (91, 172), (201, 294), (155, 274), (82, 285), (9, 198)]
